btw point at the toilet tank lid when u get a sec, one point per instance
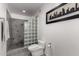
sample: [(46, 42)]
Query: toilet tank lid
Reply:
[(34, 47), (41, 42)]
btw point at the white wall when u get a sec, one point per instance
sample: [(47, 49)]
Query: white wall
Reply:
[(3, 15), (64, 36)]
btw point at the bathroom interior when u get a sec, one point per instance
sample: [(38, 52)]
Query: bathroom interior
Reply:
[(23, 32), (30, 29)]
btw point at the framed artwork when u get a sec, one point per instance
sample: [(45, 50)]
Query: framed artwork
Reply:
[(63, 12)]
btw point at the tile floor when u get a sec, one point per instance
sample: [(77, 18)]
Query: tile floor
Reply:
[(19, 52)]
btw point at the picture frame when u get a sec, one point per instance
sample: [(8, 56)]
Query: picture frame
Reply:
[(63, 12)]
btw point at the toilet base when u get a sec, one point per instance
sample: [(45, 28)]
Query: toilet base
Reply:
[(37, 53)]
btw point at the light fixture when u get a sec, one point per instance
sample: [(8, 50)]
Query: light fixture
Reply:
[(24, 11)]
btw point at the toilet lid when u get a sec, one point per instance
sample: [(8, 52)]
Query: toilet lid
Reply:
[(34, 47)]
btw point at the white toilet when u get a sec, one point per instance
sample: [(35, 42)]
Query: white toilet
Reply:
[(37, 49)]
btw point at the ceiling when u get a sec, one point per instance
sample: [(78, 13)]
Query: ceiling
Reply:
[(31, 8)]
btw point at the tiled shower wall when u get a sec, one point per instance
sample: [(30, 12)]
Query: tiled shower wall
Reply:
[(30, 32), (16, 27), (17, 30)]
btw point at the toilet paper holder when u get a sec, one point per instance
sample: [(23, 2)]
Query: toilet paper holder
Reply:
[(49, 45)]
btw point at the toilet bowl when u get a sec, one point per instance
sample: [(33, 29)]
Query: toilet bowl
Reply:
[(37, 49)]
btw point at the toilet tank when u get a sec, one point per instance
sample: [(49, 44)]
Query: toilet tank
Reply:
[(41, 42)]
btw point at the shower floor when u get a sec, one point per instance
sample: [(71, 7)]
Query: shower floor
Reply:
[(19, 52)]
